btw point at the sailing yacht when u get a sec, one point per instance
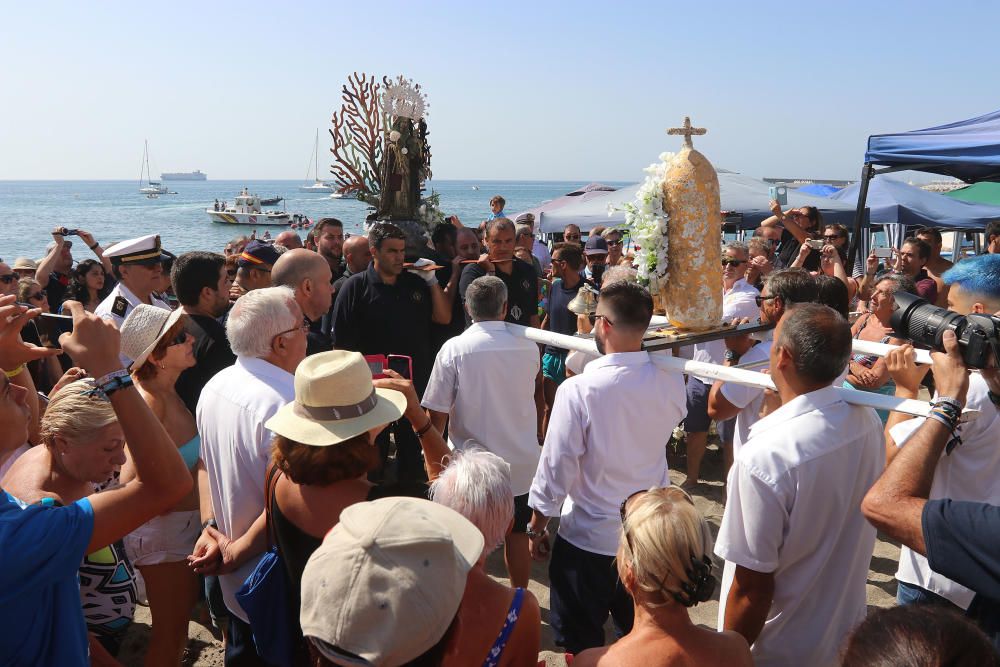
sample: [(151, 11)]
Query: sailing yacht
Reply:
[(317, 185), (147, 186)]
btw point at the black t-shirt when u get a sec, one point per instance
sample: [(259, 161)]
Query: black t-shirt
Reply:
[(56, 290), (212, 353), (522, 290), (963, 544), (788, 250), (441, 333), (373, 317), (561, 319)]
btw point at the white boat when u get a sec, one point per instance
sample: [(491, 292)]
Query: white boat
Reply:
[(337, 195), (246, 210), (317, 185), (148, 186)]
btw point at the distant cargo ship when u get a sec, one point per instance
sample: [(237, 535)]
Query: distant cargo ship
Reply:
[(184, 176)]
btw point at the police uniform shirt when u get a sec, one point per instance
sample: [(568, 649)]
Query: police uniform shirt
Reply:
[(522, 290), (118, 304), (371, 316)]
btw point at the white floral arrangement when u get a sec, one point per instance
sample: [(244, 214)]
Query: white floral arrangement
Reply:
[(404, 99), (429, 212), (646, 221)]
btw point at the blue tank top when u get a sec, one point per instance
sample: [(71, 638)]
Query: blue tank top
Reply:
[(191, 451)]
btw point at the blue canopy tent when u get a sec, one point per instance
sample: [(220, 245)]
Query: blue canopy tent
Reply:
[(967, 149), (896, 206), (745, 197), (819, 189)]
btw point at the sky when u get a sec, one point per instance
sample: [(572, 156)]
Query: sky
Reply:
[(542, 90)]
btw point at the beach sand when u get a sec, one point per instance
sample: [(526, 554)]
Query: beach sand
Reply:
[(205, 648)]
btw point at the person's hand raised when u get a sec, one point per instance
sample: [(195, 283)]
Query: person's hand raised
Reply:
[(775, 207), (951, 377), (94, 343), (397, 382), (871, 264), (13, 350), (904, 370)]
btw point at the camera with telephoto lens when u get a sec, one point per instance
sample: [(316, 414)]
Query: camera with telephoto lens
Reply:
[(924, 323)]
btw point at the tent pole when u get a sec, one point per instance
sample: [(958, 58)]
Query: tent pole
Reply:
[(859, 215)]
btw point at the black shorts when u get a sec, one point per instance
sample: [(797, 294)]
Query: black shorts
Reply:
[(522, 514)]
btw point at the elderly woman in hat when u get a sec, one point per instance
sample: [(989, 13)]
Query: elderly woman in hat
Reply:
[(664, 562), (162, 348), (324, 448)]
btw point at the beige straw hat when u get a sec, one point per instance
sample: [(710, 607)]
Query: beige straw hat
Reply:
[(335, 400), (25, 264), (143, 329), (387, 581)]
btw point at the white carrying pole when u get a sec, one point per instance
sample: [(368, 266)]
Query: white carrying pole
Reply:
[(668, 362)]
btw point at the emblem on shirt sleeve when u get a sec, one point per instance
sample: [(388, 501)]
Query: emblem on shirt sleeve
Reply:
[(418, 296), (120, 306), (525, 285)]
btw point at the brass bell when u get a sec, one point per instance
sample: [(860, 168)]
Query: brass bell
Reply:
[(585, 301)]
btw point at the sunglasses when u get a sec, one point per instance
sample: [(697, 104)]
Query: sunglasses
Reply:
[(594, 317), (759, 300), (832, 237), (733, 262), (572, 237), (37, 296), (179, 339), (8, 278), (611, 243)]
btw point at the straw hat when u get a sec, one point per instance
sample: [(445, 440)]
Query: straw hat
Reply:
[(143, 329), (25, 264), (335, 400), (387, 581)]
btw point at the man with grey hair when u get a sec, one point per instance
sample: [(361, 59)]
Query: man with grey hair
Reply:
[(268, 334), (524, 240), (538, 248), (482, 385), (796, 545)]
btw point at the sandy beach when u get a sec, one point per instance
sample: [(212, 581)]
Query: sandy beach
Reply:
[(205, 647)]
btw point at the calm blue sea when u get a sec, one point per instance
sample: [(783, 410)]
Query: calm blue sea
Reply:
[(114, 210)]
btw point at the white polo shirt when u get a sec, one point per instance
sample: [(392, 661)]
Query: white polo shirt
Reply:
[(607, 439), (236, 449), (971, 472), (484, 379), (738, 302), (794, 509), (748, 399)]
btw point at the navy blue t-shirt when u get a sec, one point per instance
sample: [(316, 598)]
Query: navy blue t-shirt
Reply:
[(561, 319), (41, 549), (963, 544)]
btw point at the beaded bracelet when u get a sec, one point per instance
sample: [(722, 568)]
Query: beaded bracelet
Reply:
[(104, 379), (14, 373)]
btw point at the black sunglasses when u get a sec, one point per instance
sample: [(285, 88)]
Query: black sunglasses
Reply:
[(732, 262), (594, 317), (759, 300), (8, 278), (179, 339)]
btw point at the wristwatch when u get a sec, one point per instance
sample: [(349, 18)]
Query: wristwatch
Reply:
[(732, 357), (209, 522), (532, 534)]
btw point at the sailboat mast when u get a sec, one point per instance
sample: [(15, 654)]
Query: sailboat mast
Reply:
[(316, 152)]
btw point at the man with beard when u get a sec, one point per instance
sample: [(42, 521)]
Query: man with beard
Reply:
[(605, 441)]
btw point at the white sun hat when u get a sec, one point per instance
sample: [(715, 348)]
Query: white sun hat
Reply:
[(386, 583), (335, 400), (143, 329)]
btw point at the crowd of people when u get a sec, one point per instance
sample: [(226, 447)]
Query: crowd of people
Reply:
[(325, 438)]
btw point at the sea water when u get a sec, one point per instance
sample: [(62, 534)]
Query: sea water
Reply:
[(115, 210)]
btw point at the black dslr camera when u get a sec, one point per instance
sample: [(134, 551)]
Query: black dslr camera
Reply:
[(922, 322)]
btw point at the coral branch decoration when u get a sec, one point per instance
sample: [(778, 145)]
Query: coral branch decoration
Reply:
[(358, 138)]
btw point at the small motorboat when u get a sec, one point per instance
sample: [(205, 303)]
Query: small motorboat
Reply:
[(271, 201), (337, 195), (247, 211)]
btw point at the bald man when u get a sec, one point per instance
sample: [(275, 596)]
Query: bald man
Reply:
[(288, 239), (309, 275), (357, 257)]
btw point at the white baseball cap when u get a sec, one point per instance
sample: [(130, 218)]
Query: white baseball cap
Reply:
[(386, 583)]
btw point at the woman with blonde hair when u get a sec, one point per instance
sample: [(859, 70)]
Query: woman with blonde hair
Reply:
[(161, 348), (664, 561), (82, 449)]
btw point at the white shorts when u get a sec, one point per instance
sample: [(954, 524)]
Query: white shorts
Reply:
[(165, 539)]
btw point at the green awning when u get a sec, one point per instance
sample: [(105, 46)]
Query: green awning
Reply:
[(979, 193)]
